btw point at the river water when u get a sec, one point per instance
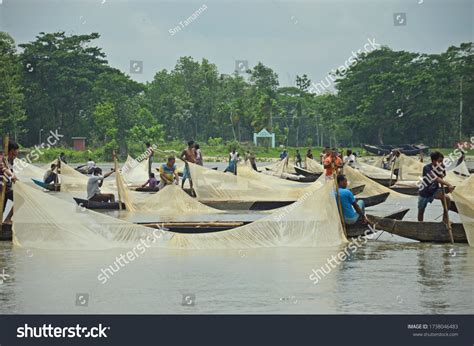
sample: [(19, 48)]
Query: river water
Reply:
[(389, 275)]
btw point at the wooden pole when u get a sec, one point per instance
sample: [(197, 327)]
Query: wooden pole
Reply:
[(4, 178), (341, 214), (446, 211), (57, 185), (116, 175)]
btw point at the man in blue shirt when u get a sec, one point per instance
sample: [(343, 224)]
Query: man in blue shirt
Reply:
[(432, 185), (352, 210)]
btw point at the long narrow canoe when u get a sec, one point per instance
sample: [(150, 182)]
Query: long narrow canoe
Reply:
[(306, 173), (433, 232), (50, 187), (269, 205), (353, 231), (97, 205)]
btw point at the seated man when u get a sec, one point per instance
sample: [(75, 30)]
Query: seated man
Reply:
[(50, 176), (90, 166), (432, 185), (352, 210), (151, 182), (168, 173), (94, 184)]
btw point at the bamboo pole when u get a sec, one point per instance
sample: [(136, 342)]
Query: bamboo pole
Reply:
[(116, 176), (445, 207), (4, 178), (57, 185), (341, 214)]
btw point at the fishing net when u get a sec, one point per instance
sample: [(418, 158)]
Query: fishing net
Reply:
[(374, 172), (245, 170), (167, 203), (134, 172), (410, 168), (463, 196), (43, 221), (211, 185), (356, 178), (26, 171), (314, 166), (280, 167)]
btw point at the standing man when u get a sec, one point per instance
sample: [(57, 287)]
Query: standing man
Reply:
[(431, 185), (298, 159), (395, 162), (332, 164), (95, 183), (251, 158), (325, 153), (168, 173), (151, 153), (350, 158), (188, 155), (199, 159), (233, 159)]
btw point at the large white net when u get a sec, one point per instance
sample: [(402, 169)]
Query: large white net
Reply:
[(314, 166), (211, 185), (463, 196), (134, 172), (43, 221), (170, 202), (356, 178)]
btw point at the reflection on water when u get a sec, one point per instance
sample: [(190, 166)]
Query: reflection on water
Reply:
[(382, 276)]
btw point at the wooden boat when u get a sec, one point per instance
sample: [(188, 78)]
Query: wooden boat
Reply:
[(357, 189), (375, 199), (5, 232), (353, 231), (433, 232), (146, 189), (303, 179), (98, 205), (306, 173), (269, 205), (50, 187), (407, 149), (385, 182)]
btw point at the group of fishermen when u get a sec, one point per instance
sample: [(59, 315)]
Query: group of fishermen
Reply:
[(432, 187)]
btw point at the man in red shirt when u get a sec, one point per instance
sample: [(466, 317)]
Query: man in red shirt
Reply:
[(332, 162)]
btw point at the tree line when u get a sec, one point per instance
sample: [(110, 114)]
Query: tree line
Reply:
[(64, 82)]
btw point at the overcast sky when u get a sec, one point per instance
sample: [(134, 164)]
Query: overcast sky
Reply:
[(292, 37)]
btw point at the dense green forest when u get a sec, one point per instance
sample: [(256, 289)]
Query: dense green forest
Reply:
[(64, 82)]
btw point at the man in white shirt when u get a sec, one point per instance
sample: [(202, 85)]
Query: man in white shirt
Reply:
[(94, 184), (350, 158)]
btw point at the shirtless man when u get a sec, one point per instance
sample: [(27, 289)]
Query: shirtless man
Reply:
[(188, 155)]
